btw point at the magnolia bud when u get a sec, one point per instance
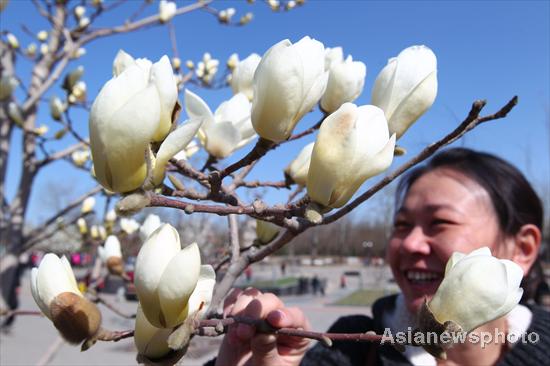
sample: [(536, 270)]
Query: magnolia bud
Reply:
[(353, 145), (14, 112), (79, 11), (281, 101), (42, 130), (7, 85), (31, 49), (42, 36), (242, 78), (12, 40), (56, 108), (87, 205), (266, 231), (151, 223), (176, 62), (56, 293), (298, 169), (406, 88), (82, 226), (129, 226), (166, 297), (167, 10), (477, 288)]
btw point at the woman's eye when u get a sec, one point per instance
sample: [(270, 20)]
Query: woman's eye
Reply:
[(400, 224), (437, 222)]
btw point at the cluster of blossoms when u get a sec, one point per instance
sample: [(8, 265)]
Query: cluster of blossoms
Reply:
[(134, 133)]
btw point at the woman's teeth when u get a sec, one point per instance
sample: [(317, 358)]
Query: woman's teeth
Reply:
[(421, 276)]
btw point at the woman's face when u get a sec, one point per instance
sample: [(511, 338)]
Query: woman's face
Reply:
[(443, 212)]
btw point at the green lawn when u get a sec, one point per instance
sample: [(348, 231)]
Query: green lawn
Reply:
[(287, 281), (362, 297)]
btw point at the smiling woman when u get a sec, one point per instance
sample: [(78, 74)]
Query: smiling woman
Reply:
[(460, 201)]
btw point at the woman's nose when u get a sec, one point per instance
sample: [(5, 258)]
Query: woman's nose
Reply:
[(416, 242)]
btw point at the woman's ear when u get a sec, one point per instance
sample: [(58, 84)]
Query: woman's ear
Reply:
[(526, 248)]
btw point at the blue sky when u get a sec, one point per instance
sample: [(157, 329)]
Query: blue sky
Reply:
[(486, 50)]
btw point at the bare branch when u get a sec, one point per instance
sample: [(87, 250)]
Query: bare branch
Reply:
[(234, 237), (60, 154)]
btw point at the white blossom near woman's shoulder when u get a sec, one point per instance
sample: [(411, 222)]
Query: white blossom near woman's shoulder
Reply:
[(227, 129), (406, 88), (353, 145), (477, 288), (151, 223), (55, 291), (242, 78), (289, 81), (345, 83), (167, 10), (166, 277), (132, 110), (298, 168)]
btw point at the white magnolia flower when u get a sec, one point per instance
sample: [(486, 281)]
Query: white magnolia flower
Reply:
[(72, 78), (111, 254), (79, 11), (83, 22), (406, 88), (167, 10), (44, 49), (41, 130), (55, 291), (266, 231), (140, 94), (333, 55), (94, 232), (12, 40), (353, 145), (232, 61), (477, 288), (151, 223), (288, 82), (78, 93), (129, 226), (56, 108), (166, 294), (42, 36), (298, 169), (345, 83), (80, 157), (110, 216), (87, 205), (242, 78), (188, 151), (7, 85), (31, 49), (82, 226), (227, 129), (15, 114), (111, 248)]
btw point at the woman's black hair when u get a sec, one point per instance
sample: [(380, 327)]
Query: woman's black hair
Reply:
[(514, 199)]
